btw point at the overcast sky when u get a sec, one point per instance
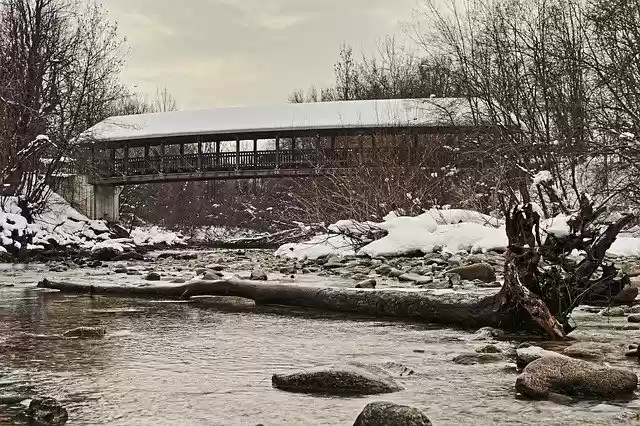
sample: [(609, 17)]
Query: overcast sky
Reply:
[(215, 53)]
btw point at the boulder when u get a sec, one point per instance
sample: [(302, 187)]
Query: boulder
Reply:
[(573, 377), (211, 276), (130, 255), (590, 350), (526, 354), (46, 412), (635, 318), (121, 270), (383, 269), (487, 333), (632, 351), (476, 271), (105, 254), (153, 276), (395, 273), (436, 285), (259, 275), (86, 332), (344, 379), (454, 279), (214, 267), (387, 413), (627, 296), (478, 358), (371, 283), (488, 349)]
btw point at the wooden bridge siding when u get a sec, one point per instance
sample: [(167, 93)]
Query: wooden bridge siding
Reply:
[(254, 163)]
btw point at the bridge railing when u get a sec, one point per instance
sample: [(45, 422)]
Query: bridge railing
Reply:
[(240, 160)]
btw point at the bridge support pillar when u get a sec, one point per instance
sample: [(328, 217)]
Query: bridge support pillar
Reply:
[(94, 201), (106, 203)]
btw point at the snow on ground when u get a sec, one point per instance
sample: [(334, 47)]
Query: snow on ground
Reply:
[(446, 230), (318, 246), (211, 234), (154, 235), (59, 224)]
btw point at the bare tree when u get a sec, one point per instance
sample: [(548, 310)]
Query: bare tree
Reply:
[(59, 65)]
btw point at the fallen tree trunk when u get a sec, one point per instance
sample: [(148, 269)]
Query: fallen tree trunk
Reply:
[(432, 306)]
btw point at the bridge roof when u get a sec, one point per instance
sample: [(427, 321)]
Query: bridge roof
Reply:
[(283, 119)]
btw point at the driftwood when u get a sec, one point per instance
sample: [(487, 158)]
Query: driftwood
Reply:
[(541, 278), (432, 306)]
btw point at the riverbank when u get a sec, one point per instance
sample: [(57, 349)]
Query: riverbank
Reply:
[(157, 351)]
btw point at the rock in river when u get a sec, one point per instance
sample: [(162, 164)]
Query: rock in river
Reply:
[(591, 350), (86, 332), (259, 275), (343, 379), (478, 271), (634, 318), (153, 276), (387, 413), (526, 354), (370, 283), (478, 358), (573, 377), (46, 412)]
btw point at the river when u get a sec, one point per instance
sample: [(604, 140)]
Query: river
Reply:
[(192, 363)]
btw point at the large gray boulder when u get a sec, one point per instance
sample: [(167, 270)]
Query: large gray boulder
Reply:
[(342, 379), (46, 412), (478, 271), (573, 377), (387, 414)]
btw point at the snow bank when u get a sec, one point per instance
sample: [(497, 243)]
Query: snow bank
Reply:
[(153, 235), (59, 224), (448, 238), (318, 246), (436, 230)]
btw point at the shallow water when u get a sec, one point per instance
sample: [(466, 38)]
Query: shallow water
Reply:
[(165, 363)]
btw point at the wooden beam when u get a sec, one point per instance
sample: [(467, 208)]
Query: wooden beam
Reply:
[(374, 149), (293, 151), (277, 152), (238, 154), (199, 166), (94, 161), (125, 162), (147, 164), (163, 151), (255, 152), (217, 160), (112, 159)]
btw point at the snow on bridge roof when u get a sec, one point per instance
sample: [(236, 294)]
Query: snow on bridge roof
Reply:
[(370, 114)]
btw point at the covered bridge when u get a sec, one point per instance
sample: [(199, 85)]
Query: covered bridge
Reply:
[(255, 142)]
